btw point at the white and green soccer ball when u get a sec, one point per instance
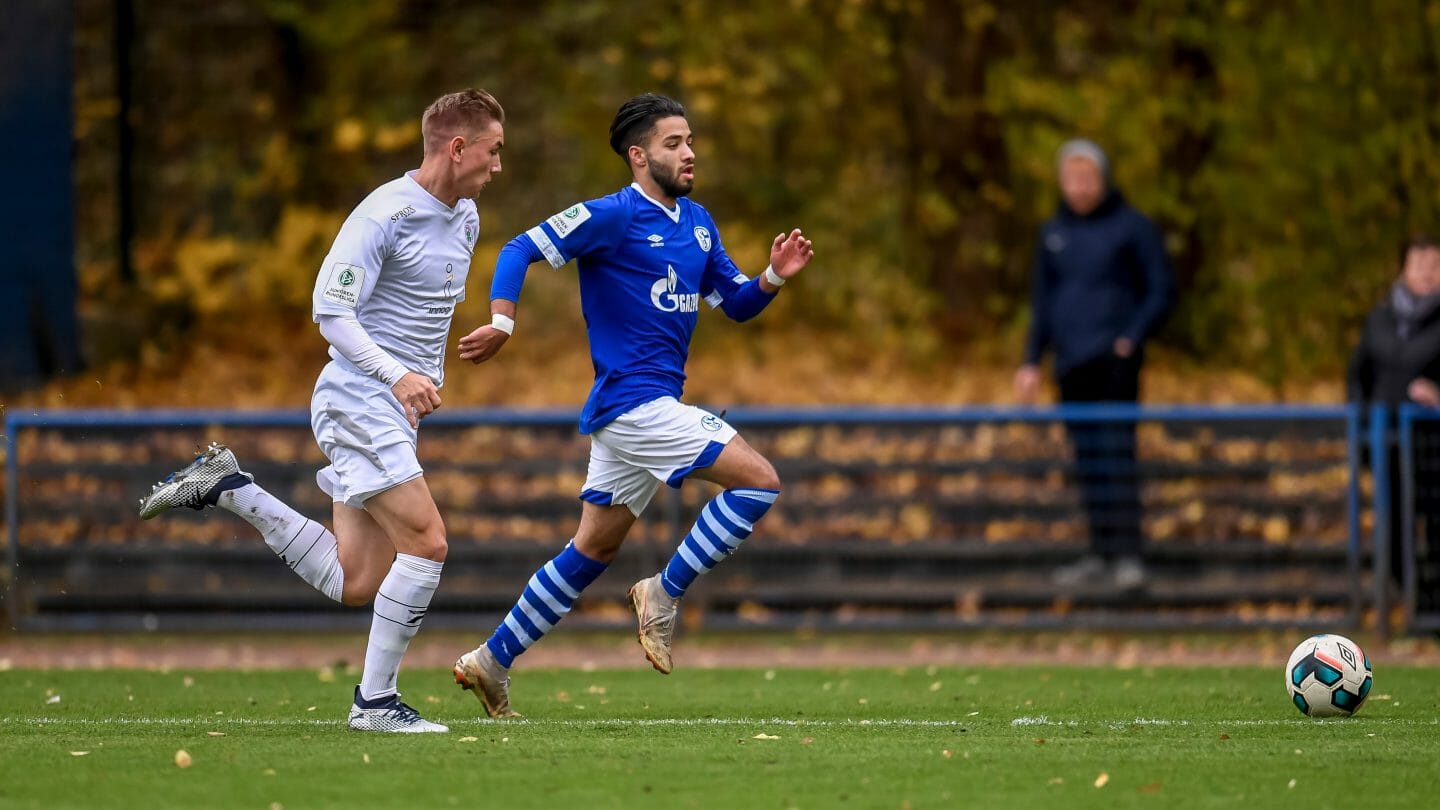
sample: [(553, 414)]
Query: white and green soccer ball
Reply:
[(1328, 676)]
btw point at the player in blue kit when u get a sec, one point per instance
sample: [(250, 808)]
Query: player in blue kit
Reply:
[(647, 257)]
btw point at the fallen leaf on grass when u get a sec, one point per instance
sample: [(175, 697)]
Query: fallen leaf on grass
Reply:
[(52, 699), (1153, 787), (79, 753), (1102, 780), (765, 737), (1056, 780), (310, 709), (1292, 784), (469, 739), (806, 740), (1040, 741), (214, 734), (1224, 736), (431, 699), (187, 681), (947, 753), (182, 759), (935, 687), (365, 758)]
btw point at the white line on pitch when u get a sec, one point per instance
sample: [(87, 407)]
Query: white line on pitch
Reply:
[(591, 723), (1041, 720)]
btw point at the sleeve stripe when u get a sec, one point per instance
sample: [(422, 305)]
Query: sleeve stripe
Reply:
[(547, 247)]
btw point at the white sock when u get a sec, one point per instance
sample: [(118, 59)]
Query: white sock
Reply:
[(399, 608), (307, 547)]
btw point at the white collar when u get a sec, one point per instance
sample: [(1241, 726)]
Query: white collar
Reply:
[(674, 213)]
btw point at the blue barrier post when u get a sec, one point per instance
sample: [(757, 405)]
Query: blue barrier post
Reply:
[(1380, 532), (12, 516), (1409, 586), (1352, 508)]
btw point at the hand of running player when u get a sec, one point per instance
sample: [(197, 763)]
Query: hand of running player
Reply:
[(790, 253), (417, 395), (482, 344)]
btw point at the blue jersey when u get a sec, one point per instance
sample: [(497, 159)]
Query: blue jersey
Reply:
[(644, 269)]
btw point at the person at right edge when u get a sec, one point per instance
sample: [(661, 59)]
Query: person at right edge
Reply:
[(1397, 362), (1101, 287)]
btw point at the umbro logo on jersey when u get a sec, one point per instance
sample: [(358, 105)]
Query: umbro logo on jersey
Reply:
[(665, 299), (703, 237), (656, 240)]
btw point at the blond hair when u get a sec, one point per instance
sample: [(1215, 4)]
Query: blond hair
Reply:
[(463, 113)]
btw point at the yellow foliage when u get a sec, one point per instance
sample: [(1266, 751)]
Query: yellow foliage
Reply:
[(282, 271)]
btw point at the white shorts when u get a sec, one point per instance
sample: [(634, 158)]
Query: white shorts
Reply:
[(662, 440), (360, 427)]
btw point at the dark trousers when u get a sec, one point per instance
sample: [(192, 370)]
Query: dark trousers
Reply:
[(1425, 524), (1105, 465)]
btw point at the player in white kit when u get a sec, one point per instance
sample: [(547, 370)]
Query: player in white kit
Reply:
[(384, 299)]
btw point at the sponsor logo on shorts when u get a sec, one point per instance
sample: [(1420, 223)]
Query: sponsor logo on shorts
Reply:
[(665, 299), (711, 422), (703, 237)]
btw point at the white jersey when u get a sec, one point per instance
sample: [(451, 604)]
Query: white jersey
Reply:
[(399, 266)]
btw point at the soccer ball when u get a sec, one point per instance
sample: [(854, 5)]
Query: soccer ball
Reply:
[(1328, 676)]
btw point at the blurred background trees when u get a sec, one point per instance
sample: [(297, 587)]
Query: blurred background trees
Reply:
[(1286, 148)]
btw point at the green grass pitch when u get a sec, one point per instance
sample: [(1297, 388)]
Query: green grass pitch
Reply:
[(1042, 737)]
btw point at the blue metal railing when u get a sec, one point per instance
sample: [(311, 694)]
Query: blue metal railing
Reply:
[(1277, 415)]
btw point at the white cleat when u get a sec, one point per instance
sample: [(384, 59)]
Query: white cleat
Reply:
[(389, 715), (656, 611), (479, 672), (197, 485)]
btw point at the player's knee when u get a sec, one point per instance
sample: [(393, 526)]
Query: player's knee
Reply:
[(359, 591), (356, 597), (765, 477), (433, 545)]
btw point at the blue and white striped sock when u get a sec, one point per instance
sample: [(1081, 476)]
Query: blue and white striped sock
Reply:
[(723, 525), (546, 599)]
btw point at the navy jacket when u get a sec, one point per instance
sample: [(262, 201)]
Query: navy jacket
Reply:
[(1094, 279)]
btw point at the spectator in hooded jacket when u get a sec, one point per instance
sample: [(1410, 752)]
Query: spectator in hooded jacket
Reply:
[(1101, 287), (1397, 361)]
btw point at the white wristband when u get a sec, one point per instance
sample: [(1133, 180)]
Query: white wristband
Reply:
[(504, 323), (774, 277)]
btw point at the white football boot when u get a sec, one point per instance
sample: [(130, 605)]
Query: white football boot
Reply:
[(197, 485), (389, 715)]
